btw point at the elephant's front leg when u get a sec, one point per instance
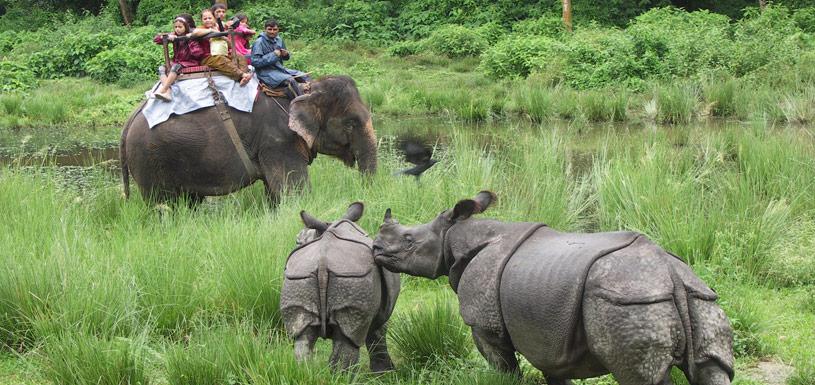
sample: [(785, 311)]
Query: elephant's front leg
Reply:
[(497, 350), (281, 173), (378, 350), (304, 343), (345, 354)]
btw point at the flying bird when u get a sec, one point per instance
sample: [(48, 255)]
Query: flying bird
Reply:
[(417, 153)]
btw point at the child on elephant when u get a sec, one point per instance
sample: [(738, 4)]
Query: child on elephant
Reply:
[(186, 53), (242, 34), (216, 49)]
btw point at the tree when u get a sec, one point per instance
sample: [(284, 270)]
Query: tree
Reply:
[(127, 14), (567, 14)]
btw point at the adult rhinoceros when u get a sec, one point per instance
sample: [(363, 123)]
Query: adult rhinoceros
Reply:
[(192, 154), (575, 305)]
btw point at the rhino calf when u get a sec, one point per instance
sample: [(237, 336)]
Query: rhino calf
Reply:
[(333, 289), (574, 305)]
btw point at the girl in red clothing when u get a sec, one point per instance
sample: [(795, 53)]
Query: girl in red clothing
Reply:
[(242, 34), (186, 53)]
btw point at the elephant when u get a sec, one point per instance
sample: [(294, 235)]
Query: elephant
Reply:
[(192, 154), (575, 305), (333, 289)]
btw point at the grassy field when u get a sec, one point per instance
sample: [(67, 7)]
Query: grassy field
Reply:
[(96, 289)]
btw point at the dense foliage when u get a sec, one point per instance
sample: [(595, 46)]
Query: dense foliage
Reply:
[(512, 39)]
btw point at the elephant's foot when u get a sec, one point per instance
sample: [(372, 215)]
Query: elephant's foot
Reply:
[(498, 351), (556, 381), (345, 354), (710, 373), (304, 344), (378, 351)]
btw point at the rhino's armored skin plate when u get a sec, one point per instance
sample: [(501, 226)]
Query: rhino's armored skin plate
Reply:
[(333, 289), (574, 305)]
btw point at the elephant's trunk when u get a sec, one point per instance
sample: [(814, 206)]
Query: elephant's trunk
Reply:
[(364, 148)]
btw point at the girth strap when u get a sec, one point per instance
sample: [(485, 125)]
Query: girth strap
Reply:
[(226, 118)]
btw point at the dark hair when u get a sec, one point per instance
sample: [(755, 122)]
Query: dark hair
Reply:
[(217, 6), (189, 19), (270, 23), (241, 16)]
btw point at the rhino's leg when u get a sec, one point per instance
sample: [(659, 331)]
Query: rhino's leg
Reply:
[(344, 354), (637, 343), (710, 373), (497, 350), (378, 350), (304, 343), (556, 381)]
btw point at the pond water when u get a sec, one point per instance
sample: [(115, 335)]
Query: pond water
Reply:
[(584, 140)]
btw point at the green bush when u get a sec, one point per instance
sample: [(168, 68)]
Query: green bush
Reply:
[(805, 19), (356, 20), (15, 77), (765, 39), (162, 12), (518, 56), (550, 25), (670, 42), (406, 48), (456, 41), (598, 57)]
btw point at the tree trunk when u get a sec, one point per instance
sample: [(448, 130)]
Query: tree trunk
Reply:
[(762, 4), (125, 9), (567, 14)]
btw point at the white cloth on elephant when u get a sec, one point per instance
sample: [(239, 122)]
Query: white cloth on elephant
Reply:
[(193, 94)]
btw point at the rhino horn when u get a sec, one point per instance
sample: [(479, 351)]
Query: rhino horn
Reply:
[(312, 223), (354, 211)]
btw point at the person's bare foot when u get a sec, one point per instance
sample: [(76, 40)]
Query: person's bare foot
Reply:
[(246, 78), (164, 96)]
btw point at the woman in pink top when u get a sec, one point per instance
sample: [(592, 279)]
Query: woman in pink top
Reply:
[(243, 32)]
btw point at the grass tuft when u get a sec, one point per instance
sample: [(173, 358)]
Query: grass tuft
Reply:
[(431, 334), (80, 359)]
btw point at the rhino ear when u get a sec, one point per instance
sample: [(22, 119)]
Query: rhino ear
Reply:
[(463, 210), (388, 218), (303, 113), (484, 199), (354, 211), (313, 223)]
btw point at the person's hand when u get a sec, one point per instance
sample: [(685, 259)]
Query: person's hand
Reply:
[(277, 52), (171, 37), (283, 52)]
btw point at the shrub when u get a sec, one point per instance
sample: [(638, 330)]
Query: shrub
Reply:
[(765, 38), (356, 20), (550, 25), (671, 42), (162, 13), (456, 41), (805, 19), (518, 56), (67, 54), (15, 77), (130, 63), (436, 333), (406, 48)]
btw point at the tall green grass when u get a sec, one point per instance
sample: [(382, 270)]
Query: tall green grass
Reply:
[(80, 359), (431, 334)]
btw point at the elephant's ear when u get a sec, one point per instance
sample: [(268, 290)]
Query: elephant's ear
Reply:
[(303, 116)]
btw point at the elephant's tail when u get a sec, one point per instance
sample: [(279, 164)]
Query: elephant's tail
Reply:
[(123, 164), (322, 281), (682, 306), (123, 150)]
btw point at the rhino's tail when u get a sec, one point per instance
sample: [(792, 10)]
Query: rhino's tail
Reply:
[(682, 306), (322, 281)]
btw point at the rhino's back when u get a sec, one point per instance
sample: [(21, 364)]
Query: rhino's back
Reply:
[(541, 295)]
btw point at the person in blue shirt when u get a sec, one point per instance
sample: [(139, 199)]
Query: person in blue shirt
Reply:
[(268, 54)]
